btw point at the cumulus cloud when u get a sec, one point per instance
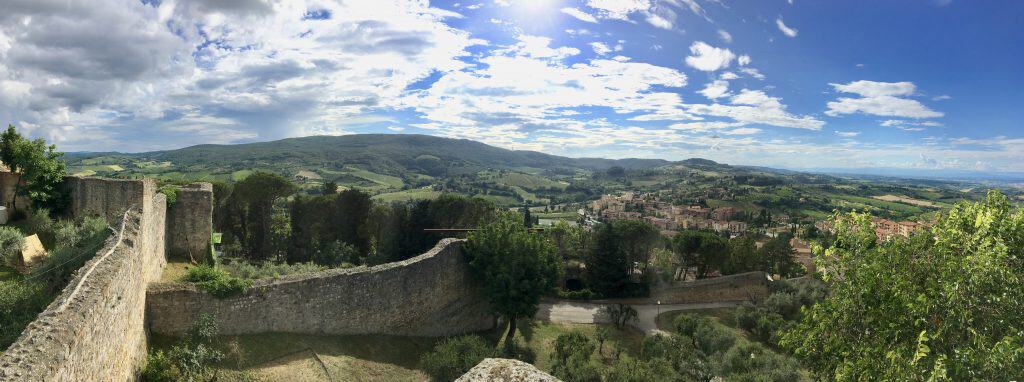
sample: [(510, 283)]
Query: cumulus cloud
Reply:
[(600, 48), (117, 74), (715, 89), (725, 36), (743, 60), (707, 58), (880, 98), (789, 32), (659, 13), (580, 15)]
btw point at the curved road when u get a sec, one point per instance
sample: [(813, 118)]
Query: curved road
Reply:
[(577, 312)]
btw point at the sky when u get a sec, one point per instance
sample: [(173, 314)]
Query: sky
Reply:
[(927, 84)]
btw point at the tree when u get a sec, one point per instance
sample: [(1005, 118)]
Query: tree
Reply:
[(527, 219), (944, 304), (743, 256), (777, 257), (639, 238), (514, 266), (570, 360), (705, 250), (330, 188), (608, 262), (254, 198), (38, 165)]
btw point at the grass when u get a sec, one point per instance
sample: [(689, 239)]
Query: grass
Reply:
[(293, 357), (384, 180), (407, 195), (240, 175), (175, 270), (724, 316), (6, 273)]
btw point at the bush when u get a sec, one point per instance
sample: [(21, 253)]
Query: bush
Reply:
[(514, 350), (454, 356), (336, 254), (713, 338), (570, 360), (20, 303), (218, 283), (159, 368), (251, 271), (686, 324), (11, 243), (629, 369), (752, 362), (583, 294)]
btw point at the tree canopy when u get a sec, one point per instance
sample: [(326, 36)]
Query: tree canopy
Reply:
[(944, 304), (39, 165), (515, 267)]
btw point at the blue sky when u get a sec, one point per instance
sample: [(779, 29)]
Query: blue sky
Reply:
[(931, 84)]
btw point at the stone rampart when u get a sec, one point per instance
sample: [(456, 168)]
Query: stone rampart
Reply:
[(107, 197), (428, 295), (94, 331), (750, 286), (190, 222)]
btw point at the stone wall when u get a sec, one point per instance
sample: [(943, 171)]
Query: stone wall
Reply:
[(190, 222), (428, 295), (94, 331), (750, 286), (107, 197)]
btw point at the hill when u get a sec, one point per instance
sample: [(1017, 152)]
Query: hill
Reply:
[(390, 154)]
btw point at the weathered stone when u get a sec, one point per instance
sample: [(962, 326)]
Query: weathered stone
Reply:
[(94, 330), (190, 222), (504, 370), (428, 295)]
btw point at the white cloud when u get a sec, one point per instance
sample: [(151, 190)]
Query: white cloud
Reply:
[(910, 125), (725, 36), (708, 58), (941, 97), (880, 98), (581, 15), (743, 60), (847, 134), (790, 32), (600, 48), (742, 131), (754, 73), (728, 76), (716, 89), (659, 13)]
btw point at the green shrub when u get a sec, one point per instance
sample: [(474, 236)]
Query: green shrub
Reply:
[(686, 324), (217, 282), (171, 192), (11, 243), (713, 338), (570, 360), (454, 356), (159, 368), (583, 294), (628, 369), (749, 361), (251, 271), (20, 303)]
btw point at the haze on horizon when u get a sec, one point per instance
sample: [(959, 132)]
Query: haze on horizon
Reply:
[(927, 85)]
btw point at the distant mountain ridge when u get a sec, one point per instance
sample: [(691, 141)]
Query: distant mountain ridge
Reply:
[(387, 153)]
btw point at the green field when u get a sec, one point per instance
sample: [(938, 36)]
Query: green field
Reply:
[(407, 195)]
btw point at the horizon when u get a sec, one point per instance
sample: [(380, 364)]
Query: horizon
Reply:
[(782, 84)]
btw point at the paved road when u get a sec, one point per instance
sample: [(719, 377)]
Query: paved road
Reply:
[(590, 313)]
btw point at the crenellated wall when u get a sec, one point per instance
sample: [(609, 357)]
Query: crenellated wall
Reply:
[(428, 295), (94, 330)]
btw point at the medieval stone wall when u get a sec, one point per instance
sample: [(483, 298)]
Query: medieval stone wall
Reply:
[(94, 331), (750, 286), (190, 222), (428, 295), (107, 197)]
